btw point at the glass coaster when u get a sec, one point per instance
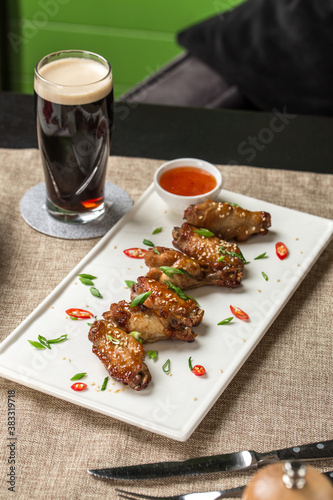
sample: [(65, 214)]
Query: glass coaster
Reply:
[(33, 211)]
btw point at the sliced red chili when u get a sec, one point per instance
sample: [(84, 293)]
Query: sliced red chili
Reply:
[(79, 313), (236, 311), (198, 370), (135, 253), (79, 386), (281, 250)]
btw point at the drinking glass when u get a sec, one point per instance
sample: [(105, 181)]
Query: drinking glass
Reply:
[(74, 116)]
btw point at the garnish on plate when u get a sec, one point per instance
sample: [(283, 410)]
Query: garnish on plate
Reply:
[(198, 370), (281, 250), (79, 386), (78, 376), (167, 366), (79, 313), (225, 321), (95, 292), (45, 343), (261, 256), (152, 354), (135, 253), (105, 383), (148, 243), (239, 313)]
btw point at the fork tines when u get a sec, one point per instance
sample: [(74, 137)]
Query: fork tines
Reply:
[(129, 495)]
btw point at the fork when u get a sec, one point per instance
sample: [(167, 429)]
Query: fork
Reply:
[(205, 495)]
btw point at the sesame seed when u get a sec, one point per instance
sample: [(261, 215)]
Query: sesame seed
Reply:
[(92, 383), (63, 358), (195, 399)]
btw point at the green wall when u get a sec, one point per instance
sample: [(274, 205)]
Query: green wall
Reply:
[(136, 36)]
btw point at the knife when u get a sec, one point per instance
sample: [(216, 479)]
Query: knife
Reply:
[(242, 460)]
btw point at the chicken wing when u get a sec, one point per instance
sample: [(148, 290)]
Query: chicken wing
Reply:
[(184, 272), (121, 354), (168, 304), (227, 221), (151, 326), (222, 260)]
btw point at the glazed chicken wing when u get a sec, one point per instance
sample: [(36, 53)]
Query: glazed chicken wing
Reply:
[(167, 304), (218, 257), (151, 326), (185, 273), (121, 354), (227, 221)]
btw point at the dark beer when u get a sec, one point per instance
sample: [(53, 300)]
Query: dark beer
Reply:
[(74, 111)]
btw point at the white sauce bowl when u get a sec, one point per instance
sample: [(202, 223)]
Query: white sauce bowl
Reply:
[(178, 203)]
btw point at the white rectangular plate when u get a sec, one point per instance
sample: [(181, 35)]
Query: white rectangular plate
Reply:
[(172, 405)]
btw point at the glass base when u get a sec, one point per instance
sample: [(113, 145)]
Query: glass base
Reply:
[(67, 216)]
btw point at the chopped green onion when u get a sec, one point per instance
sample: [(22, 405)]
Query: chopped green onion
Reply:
[(86, 281), (261, 256), (190, 363), (105, 383), (95, 292), (265, 276), (177, 290), (157, 230), (204, 232), (136, 335), (233, 254), (148, 243), (73, 318), (152, 354), (78, 376), (170, 271), (225, 321), (166, 367), (37, 344), (234, 204), (139, 299), (44, 341), (88, 276), (220, 258), (129, 283), (58, 340), (194, 300), (156, 251), (113, 340)]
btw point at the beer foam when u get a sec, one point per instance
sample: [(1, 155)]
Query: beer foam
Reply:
[(73, 81)]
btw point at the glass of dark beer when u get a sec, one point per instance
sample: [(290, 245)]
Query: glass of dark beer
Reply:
[(74, 115)]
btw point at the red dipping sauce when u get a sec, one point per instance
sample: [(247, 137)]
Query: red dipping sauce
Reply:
[(187, 181)]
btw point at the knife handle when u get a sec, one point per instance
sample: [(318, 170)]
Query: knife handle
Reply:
[(313, 451)]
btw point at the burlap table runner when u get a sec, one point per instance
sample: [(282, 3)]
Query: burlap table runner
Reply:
[(282, 395)]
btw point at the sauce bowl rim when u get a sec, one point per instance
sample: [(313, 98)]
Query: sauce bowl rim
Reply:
[(196, 163)]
